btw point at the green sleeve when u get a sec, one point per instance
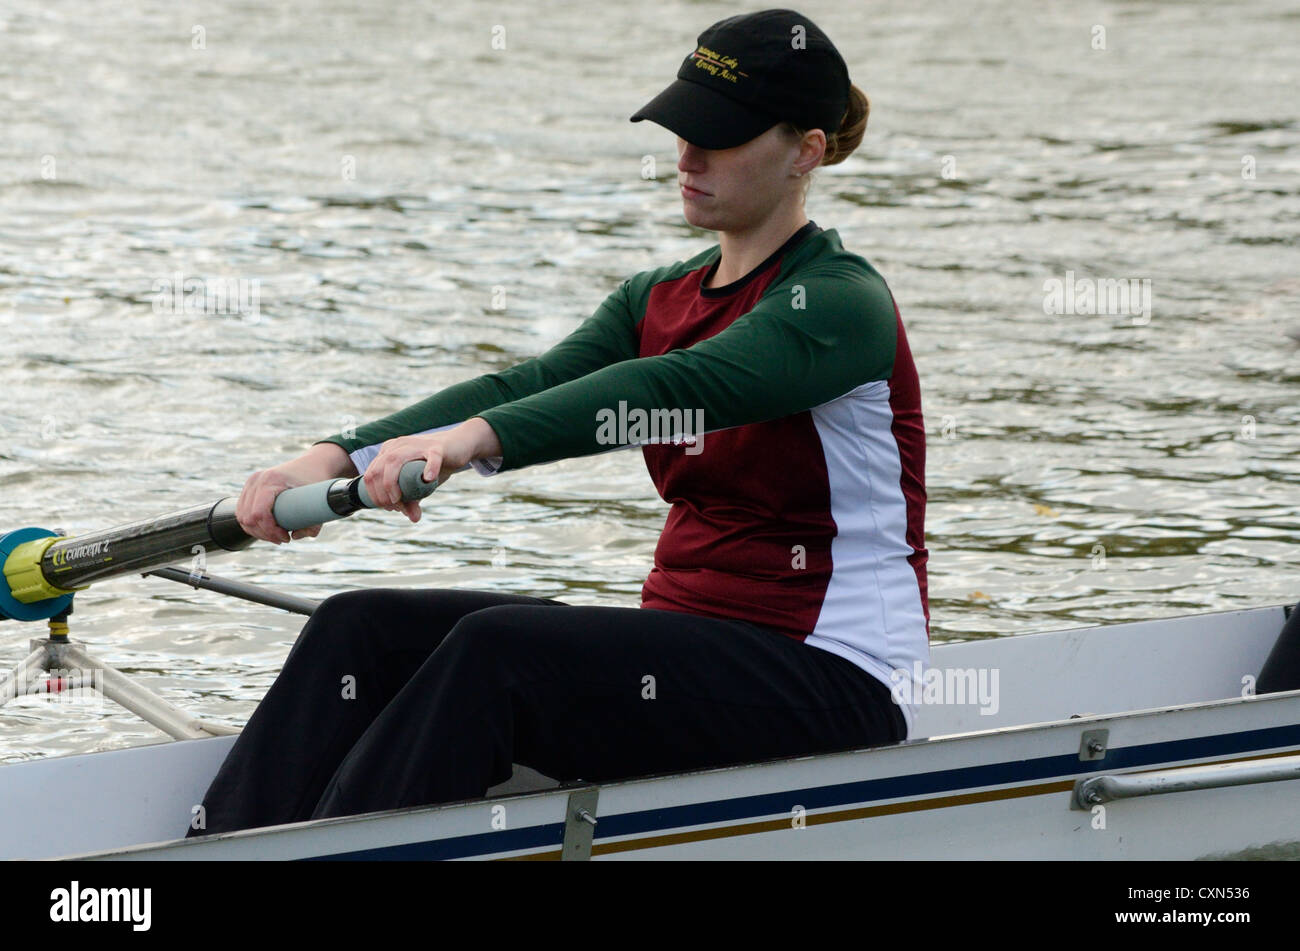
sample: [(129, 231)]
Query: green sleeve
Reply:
[(608, 336), (812, 337)]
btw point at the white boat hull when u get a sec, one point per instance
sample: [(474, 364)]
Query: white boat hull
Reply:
[(997, 785)]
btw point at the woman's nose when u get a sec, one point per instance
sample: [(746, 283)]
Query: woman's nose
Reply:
[(690, 157)]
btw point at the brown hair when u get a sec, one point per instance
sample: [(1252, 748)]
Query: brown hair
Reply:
[(841, 143)]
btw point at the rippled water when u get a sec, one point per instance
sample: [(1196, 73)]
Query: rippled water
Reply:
[(383, 172)]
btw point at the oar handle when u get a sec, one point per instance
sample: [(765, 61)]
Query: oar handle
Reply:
[(320, 502), (410, 479)]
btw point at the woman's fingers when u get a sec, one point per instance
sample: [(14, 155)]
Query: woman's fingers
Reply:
[(374, 482), (253, 510), (246, 506), (382, 474), (376, 477), (264, 508), (241, 503), (255, 507)]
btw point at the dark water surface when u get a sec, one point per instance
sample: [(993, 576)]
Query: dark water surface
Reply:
[(419, 207)]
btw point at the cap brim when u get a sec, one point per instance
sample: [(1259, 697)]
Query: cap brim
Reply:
[(703, 117)]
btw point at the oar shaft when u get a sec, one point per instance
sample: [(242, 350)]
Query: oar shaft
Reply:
[(39, 569), (178, 536)]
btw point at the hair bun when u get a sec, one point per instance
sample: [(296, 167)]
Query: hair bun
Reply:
[(852, 127)]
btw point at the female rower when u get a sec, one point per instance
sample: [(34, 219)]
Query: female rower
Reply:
[(788, 593)]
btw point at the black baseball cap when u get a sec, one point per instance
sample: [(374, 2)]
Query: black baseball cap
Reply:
[(748, 73)]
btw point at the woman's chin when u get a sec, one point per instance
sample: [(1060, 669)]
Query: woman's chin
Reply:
[(697, 216)]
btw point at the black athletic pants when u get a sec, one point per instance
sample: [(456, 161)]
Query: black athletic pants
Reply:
[(396, 698)]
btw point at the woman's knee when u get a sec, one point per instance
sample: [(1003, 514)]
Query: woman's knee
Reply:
[(335, 623), (374, 611), (410, 623), (496, 638)]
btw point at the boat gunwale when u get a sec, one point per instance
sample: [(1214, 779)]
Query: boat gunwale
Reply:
[(1039, 728)]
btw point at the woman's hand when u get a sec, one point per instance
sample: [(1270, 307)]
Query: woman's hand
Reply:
[(256, 501), (445, 453)]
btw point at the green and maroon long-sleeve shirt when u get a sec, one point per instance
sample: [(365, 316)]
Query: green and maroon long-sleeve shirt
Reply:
[(801, 507)]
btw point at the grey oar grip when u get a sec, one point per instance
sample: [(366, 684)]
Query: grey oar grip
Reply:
[(410, 479), (305, 506), (321, 502)]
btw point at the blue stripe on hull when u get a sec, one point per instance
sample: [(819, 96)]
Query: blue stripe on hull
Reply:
[(941, 781), (483, 843), (842, 794)]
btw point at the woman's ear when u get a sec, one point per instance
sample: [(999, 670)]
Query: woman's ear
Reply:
[(811, 150)]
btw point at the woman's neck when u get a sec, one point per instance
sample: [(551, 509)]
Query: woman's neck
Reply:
[(742, 251)]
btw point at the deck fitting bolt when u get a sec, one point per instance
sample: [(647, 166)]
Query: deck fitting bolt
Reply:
[(586, 816), (1096, 746)]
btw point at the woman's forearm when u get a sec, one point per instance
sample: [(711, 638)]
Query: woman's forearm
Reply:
[(483, 439), (325, 460)]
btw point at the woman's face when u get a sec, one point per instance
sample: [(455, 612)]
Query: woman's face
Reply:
[(738, 189)]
